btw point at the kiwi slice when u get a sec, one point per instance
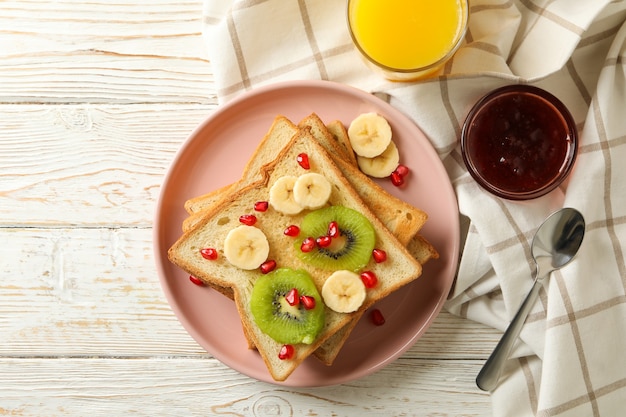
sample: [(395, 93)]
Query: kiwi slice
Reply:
[(278, 319), (351, 250)]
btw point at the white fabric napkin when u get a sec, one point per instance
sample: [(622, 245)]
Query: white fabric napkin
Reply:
[(572, 361)]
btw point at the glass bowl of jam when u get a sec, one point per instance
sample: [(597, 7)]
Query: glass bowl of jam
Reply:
[(519, 142)]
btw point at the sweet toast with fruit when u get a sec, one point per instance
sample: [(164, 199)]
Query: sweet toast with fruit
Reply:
[(251, 243), (371, 193)]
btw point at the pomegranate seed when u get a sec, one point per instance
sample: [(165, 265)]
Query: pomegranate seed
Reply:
[(307, 301), (303, 160), (333, 229), (268, 266), (209, 253), (248, 219), (323, 241), (308, 244), (286, 352), (261, 206), (292, 297), (377, 317), (396, 179), (379, 255), (369, 279), (402, 170), (292, 231), (196, 281)]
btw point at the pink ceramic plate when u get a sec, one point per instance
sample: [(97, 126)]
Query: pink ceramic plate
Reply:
[(215, 155)]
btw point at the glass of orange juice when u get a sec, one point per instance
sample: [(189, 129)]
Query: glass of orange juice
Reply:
[(407, 39)]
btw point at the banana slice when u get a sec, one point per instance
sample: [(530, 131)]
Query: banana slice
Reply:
[(369, 134), (246, 247), (282, 197), (383, 165), (312, 190), (343, 291)]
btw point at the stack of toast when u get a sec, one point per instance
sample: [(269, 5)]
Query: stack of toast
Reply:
[(213, 215)]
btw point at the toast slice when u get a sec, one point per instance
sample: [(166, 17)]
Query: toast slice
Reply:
[(400, 268)]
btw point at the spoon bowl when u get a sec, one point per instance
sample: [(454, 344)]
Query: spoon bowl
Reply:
[(554, 245)]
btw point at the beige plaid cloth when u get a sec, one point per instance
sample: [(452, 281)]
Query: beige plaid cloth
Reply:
[(572, 361)]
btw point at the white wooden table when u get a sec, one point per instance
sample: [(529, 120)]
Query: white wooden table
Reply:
[(95, 99)]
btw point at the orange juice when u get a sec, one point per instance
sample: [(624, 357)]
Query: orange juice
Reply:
[(407, 35)]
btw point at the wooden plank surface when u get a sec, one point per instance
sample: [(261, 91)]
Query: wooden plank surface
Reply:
[(154, 387), (70, 51), (95, 100), (88, 165)]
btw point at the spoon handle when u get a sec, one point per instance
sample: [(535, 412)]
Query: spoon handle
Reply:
[(488, 377)]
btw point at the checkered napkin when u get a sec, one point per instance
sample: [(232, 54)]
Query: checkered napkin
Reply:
[(572, 358)]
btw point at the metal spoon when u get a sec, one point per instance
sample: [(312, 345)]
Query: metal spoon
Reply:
[(554, 245)]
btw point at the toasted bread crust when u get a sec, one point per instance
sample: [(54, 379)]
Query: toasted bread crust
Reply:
[(340, 134)]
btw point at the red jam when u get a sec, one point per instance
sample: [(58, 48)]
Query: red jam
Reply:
[(519, 142)]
